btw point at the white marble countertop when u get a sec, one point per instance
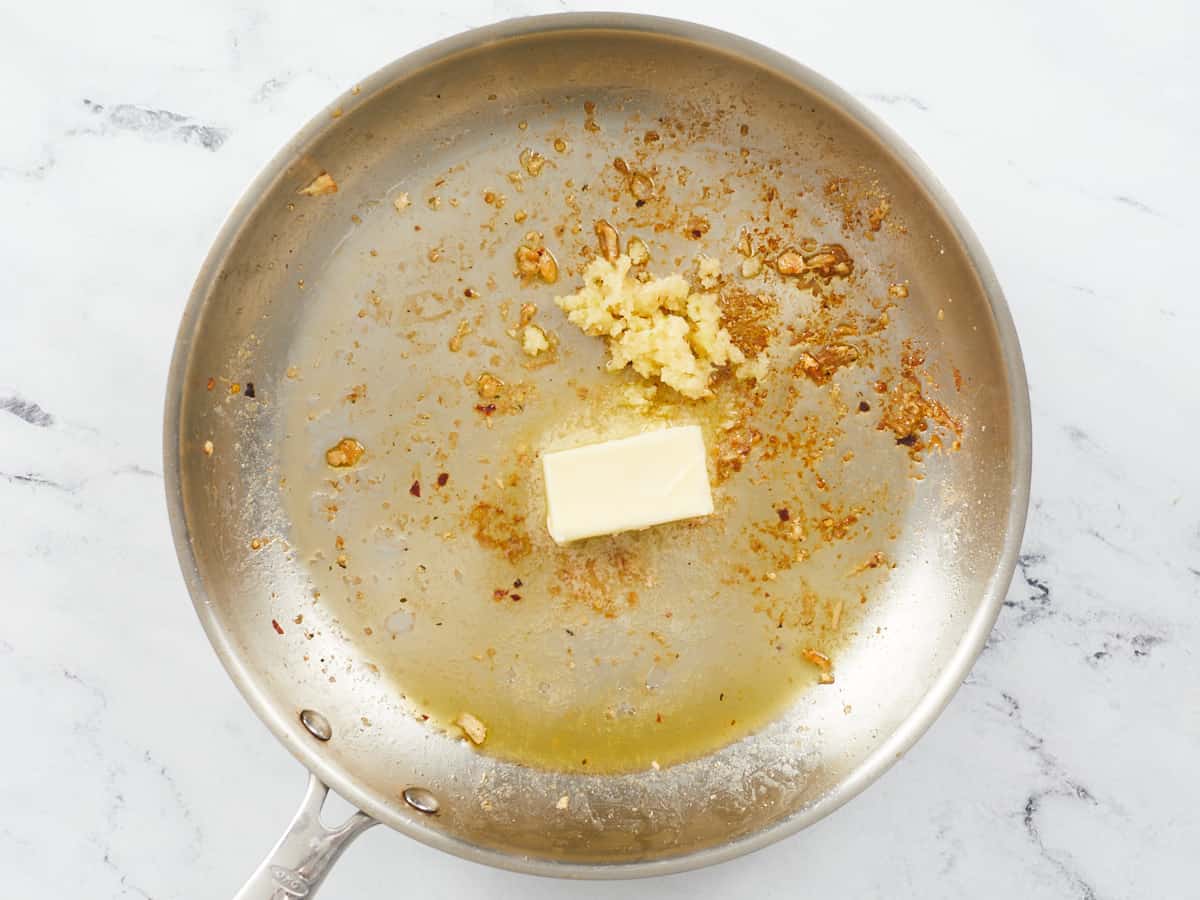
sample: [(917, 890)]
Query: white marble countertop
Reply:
[(1065, 767)]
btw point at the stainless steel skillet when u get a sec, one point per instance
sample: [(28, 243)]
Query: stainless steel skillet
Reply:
[(321, 314)]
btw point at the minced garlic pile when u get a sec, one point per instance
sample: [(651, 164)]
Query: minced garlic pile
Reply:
[(660, 327)]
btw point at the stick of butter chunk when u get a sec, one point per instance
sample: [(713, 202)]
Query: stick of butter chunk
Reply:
[(626, 484)]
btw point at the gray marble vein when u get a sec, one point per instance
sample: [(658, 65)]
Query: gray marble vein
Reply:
[(1056, 783), (1134, 203), (899, 100), (33, 480), (27, 411), (158, 123)]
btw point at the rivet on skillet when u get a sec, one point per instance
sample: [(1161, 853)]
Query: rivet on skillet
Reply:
[(318, 726), (421, 800)]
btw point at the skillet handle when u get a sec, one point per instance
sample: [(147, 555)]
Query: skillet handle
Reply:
[(307, 851)]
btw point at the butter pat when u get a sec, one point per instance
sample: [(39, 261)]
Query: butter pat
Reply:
[(626, 484)]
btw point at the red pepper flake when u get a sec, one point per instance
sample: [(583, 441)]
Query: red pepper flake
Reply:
[(783, 514), (442, 478), (485, 408), (278, 628), (415, 490), (658, 717), (515, 598), (212, 383), (518, 583), (499, 594)]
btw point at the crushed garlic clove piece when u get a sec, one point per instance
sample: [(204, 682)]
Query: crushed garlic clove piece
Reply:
[(547, 266), (639, 253), (751, 267), (708, 271), (319, 186), (537, 261), (610, 241), (345, 453), (488, 386), (660, 327), (789, 263), (532, 162), (475, 730), (534, 341)]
